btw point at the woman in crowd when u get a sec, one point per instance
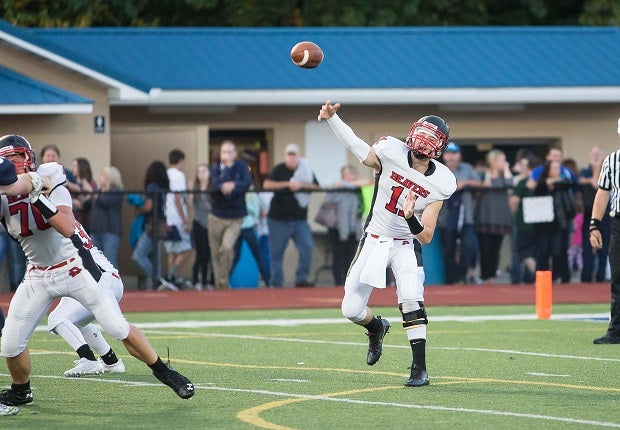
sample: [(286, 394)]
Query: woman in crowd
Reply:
[(553, 237), (493, 219), (147, 249), (343, 236), (248, 234), (81, 191), (525, 243), (105, 211), (201, 203)]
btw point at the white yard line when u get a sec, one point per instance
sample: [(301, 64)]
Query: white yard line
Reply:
[(333, 342), (354, 401)]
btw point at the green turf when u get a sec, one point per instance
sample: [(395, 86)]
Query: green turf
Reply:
[(485, 374)]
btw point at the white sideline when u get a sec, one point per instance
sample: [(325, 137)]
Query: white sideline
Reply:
[(597, 317)]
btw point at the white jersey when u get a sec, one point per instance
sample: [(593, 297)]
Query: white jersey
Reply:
[(42, 243), (386, 215), (177, 183)]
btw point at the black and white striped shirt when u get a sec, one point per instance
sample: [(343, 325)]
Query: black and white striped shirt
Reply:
[(609, 179)]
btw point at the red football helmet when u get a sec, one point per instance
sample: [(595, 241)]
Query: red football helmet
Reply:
[(16, 144), (428, 136)]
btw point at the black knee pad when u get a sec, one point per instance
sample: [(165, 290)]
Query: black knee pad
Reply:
[(414, 318)]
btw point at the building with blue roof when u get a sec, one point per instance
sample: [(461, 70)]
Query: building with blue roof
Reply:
[(126, 96)]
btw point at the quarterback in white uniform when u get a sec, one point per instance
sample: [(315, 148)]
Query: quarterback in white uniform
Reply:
[(410, 187), (59, 264)]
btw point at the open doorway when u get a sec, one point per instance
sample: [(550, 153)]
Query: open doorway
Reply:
[(251, 146)]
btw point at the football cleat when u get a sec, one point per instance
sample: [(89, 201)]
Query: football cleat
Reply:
[(8, 410), (118, 367), (607, 340), (179, 383), (418, 378), (375, 342), (15, 397), (84, 367)]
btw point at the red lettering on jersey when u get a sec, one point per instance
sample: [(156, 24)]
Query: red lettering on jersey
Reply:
[(395, 176), (408, 183), (13, 199), (419, 190), (22, 209), (74, 271)]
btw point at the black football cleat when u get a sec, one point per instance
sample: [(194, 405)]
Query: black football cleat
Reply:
[(375, 342), (15, 397), (607, 340), (179, 383), (418, 378)]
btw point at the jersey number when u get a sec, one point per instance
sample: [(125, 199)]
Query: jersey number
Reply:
[(391, 205), (21, 209)]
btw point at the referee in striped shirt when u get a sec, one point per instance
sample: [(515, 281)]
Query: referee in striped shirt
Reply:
[(609, 185)]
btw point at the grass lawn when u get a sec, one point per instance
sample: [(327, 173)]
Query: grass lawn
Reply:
[(490, 367)]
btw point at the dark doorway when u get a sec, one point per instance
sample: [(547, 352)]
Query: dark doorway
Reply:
[(251, 146)]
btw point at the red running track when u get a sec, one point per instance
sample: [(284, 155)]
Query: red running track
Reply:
[(329, 297)]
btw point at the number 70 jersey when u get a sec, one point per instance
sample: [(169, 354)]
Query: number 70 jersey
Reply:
[(42, 243), (394, 181)]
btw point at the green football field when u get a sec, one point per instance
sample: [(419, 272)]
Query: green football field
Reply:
[(490, 367)]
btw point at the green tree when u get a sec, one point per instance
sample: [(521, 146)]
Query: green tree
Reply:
[(73, 13), (601, 12), (307, 13)]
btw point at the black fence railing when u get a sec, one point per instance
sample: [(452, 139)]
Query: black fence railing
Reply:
[(317, 197)]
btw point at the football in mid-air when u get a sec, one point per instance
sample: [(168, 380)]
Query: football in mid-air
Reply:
[(307, 55)]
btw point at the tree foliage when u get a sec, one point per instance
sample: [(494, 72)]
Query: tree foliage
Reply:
[(307, 13), (601, 12)]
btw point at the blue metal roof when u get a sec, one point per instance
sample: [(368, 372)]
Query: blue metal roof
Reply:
[(17, 89), (380, 58)]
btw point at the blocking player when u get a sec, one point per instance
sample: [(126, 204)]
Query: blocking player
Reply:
[(59, 264), (410, 186), (12, 184), (71, 320), (70, 312)]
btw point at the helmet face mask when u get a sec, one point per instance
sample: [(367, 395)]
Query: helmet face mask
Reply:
[(428, 137), (13, 144)]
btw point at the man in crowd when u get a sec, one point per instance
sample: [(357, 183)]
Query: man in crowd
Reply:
[(288, 215)]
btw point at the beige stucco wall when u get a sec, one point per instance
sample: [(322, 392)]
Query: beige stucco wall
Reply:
[(135, 136), (575, 127)]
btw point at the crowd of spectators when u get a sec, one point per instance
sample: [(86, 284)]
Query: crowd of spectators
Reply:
[(212, 215)]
